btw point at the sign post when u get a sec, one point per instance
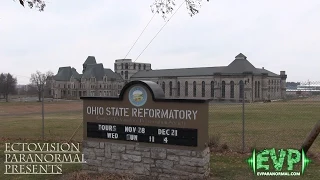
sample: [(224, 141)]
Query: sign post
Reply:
[(144, 134)]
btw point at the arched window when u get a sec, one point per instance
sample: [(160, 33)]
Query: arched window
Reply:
[(134, 66), (212, 88), (139, 66), (203, 90), (223, 89), (258, 89), (194, 89), (186, 89), (126, 74), (164, 87), (231, 89), (255, 89), (178, 88), (126, 65), (121, 65), (241, 89), (144, 67), (170, 88)]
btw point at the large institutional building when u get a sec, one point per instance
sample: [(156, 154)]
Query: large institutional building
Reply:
[(238, 80)]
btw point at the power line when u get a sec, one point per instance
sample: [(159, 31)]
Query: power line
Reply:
[(140, 35), (159, 32)]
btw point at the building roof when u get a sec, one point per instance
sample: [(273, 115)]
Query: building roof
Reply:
[(90, 60), (92, 70), (112, 75), (202, 71), (64, 74), (239, 66)]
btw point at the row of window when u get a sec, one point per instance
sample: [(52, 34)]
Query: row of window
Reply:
[(273, 82), (125, 74), (105, 93), (203, 88), (126, 66)]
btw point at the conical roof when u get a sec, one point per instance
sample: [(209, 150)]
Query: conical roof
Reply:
[(90, 60), (239, 65)]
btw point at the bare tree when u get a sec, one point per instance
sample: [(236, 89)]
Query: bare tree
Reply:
[(39, 80), (7, 85), (38, 4), (165, 7)]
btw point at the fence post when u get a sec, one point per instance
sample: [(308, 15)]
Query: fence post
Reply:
[(243, 144), (42, 112)]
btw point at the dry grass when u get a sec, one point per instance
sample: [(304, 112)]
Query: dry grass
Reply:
[(22, 108), (83, 175), (276, 124)]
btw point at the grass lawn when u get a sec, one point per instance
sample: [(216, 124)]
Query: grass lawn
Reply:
[(267, 125)]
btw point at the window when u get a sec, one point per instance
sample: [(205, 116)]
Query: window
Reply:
[(212, 88), (255, 89), (194, 89), (126, 75), (203, 89), (121, 72), (231, 89), (178, 88), (163, 86), (126, 66), (269, 82), (223, 89), (258, 89), (139, 66), (134, 66), (144, 67), (121, 65), (170, 88), (241, 89), (186, 90)]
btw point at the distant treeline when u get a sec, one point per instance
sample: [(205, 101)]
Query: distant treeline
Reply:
[(292, 85), (8, 85)]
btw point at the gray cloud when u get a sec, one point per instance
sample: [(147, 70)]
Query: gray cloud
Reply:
[(277, 35)]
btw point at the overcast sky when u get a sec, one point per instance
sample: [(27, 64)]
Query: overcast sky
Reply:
[(274, 34)]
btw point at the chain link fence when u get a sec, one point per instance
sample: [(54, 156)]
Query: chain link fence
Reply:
[(273, 121)]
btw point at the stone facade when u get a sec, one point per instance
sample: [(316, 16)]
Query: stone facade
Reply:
[(146, 162), (126, 68), (226, 83)]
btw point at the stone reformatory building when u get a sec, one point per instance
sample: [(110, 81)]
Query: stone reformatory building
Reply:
[(231, 83)]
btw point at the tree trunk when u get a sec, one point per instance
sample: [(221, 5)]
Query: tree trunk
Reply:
[(39, 96), (310, 139), (7, 100)]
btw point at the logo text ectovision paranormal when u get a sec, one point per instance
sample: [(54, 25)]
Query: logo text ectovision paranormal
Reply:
[(284, 163)]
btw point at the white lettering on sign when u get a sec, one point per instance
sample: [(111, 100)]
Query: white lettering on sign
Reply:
[(112, 135), (140, 130), (107, 128), (143, 113), (132, 137), (164, 113), (168, 132), (95, 110), (114, 111)]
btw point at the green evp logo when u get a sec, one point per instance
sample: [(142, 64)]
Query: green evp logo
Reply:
[(261, 166)]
